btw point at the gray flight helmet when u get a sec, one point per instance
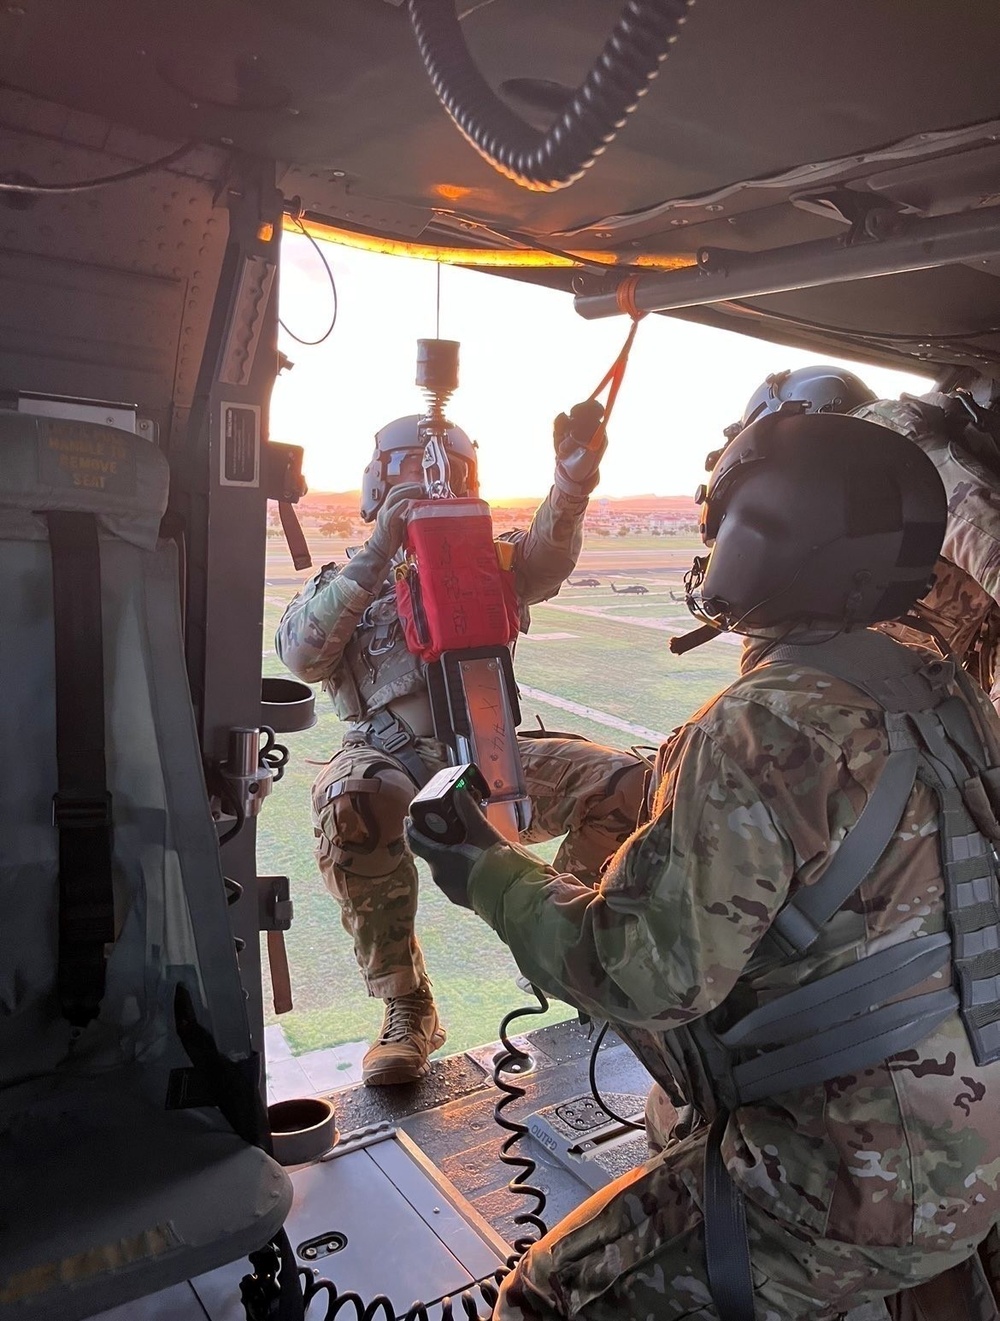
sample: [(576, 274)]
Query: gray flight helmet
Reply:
[(409, 435), (822, 388), (816, 519)]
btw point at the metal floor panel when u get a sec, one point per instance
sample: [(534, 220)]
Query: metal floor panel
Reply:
[(427, 1213), (394, 1223)]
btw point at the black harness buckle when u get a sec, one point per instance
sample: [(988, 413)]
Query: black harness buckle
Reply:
[(72, 813)]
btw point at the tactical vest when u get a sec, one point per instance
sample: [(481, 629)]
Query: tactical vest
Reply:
[(844, 1022), (376, 667)]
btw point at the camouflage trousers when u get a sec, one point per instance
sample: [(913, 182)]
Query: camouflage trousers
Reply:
[(636, 1250), (588, 792)]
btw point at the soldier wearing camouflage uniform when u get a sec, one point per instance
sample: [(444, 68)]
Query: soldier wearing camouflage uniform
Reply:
[(343, 630), (963, 604), (861, 1170)]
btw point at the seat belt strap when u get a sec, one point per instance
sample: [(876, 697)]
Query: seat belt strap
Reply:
[(81, 808), (727, 1250)]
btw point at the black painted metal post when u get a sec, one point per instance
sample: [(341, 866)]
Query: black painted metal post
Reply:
[(219, 494)]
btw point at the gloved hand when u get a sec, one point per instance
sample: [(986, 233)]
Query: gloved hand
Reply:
[(368, 567), (451, 864), (580, 442)]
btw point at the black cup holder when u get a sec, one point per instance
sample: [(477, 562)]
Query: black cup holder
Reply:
[(302, 1129), (287, 705)]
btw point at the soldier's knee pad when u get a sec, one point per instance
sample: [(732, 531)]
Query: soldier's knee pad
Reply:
[(360, 819)]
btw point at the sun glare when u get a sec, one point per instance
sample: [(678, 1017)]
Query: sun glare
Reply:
[(525, 356)]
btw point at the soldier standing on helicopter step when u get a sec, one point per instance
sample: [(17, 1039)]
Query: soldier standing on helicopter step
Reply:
[(803, 941), (343, 630)]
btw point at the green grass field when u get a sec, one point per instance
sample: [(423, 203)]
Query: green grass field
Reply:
[(623, 670)]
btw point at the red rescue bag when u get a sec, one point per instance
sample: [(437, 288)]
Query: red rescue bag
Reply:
[(451, 592)]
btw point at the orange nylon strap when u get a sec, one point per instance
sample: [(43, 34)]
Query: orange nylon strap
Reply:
[(625, 297), (616, 372)]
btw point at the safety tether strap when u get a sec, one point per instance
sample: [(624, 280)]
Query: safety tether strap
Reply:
[(81, 809), (727, 1251), (388, 734)]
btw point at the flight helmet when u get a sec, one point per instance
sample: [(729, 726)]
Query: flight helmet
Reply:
[(816, 519), (409, 435), (822, 388)]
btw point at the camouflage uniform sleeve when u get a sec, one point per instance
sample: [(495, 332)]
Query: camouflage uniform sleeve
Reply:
[(972, 538), (678, 913), (318, 624), (547, 553), (972, 535)]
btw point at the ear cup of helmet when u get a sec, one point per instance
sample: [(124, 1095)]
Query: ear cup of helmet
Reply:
[(819, 519)]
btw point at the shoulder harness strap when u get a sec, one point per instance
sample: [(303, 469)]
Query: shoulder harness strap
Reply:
[(81, 809), (816, 1031)]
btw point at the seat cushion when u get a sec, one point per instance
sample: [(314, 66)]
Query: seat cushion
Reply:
[(107, 1198)]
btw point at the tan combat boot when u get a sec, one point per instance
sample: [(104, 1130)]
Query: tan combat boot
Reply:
[(411, 1031)]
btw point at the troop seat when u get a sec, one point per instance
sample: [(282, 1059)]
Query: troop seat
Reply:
[(129, 1114)]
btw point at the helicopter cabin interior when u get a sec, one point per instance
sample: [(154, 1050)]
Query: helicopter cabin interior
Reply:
[(824, 176)]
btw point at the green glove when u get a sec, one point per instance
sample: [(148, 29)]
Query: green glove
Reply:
[(368, 567), (451, 864)]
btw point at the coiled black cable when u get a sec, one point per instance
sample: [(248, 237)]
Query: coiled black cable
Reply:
[(547, 161), (274, 1265), (519, 1183)]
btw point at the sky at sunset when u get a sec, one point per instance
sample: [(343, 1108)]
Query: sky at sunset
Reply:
[(526, 355)]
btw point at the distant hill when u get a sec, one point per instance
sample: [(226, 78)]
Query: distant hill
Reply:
[(667, 506), (330, 500)]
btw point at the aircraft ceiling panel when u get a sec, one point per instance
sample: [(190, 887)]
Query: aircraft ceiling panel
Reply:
[(765, 118), (749, 89)]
